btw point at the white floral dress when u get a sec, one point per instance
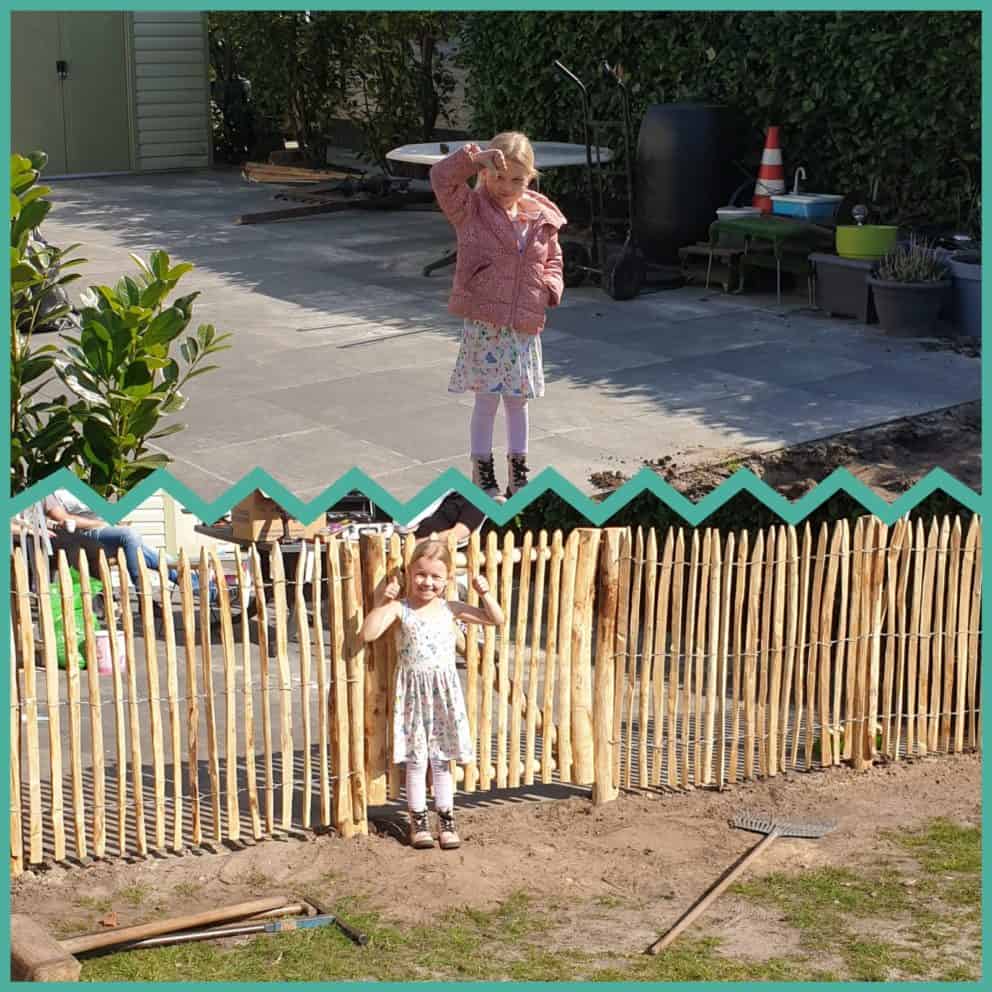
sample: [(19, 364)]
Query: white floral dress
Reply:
[(499, 360), (429, 717)]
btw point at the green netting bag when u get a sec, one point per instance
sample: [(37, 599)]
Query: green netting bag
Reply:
[(55, 594)]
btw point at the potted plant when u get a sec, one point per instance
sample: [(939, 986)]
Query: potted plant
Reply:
[(908, 287)]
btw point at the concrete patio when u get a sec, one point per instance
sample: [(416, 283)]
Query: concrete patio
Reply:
[(342, 349)]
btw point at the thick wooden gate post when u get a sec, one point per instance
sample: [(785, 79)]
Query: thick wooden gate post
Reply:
[(604, 788)]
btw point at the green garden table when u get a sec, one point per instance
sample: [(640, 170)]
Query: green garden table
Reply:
[(786, 236)]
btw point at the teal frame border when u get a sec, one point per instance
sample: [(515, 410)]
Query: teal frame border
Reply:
[(548, 480)]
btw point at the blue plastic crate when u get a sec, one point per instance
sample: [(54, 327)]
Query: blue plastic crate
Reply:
[(804, 209)]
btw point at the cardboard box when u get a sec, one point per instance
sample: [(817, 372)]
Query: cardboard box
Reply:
[(261, 519)]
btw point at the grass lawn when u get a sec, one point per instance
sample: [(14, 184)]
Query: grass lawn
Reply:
[(913, 913)]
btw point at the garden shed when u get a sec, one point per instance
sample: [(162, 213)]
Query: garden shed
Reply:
[(111, 91)]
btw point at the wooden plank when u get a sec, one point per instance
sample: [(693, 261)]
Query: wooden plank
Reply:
[(891, 638), (29, 708), (210, 709), (146, 605), (689, 716), (75, 723), (262, 625), (451, 593), (765, 651), (974, 721), (303, 639), (533, 671), (486, 770), (915, 622), (569, 567), (646, 668), (712, 663), (372, 548), (503, 667), (622, 654), (583, 767), (822, 646), (854, 636), (172, 697), (675, 660), (660, 654), (875, 647), (740, 590), (954, 563), (795, 636), (549, 740), (323, 702), (354, 646), (472, 661), (782, 549), (16, 827), (248, 696), (937, 651), (110, 616), (131, 667), (698, 661), (604, 789), (804, 649), (228, 650), (192, 697), (905, 565), (519, 651), (285, 687), (340, 731), (47, 627), (395, 774), (926, 636), (634, 665), (844, 567), (723, 659), (755, 576)]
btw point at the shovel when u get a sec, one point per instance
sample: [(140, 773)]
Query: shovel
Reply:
[(772, 829)]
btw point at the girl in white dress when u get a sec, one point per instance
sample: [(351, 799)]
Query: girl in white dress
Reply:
[(430, 723)]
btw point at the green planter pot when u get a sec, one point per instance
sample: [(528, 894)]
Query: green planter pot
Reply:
[(869, 241), (908, 309)]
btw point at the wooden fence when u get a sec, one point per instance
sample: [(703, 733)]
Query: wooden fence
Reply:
[(625, 660)]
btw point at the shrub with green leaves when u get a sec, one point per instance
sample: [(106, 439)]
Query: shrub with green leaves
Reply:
[(122, 368), (41, 438), (124, 364)]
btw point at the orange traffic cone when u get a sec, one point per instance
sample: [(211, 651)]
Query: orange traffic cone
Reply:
[(771, 174)]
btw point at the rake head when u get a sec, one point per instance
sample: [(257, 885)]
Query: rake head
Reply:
[(782, 828)]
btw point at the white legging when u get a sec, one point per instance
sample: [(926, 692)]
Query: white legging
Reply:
[(416, 785), (484, 419)]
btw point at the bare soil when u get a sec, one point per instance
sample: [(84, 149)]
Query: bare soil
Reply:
[(889, 458), (617, 875)]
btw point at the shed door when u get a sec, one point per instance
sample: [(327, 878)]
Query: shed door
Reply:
[(83, 120), (97, 124), (37, 122)]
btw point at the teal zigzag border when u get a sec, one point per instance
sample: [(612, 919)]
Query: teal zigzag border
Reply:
[(547, 481)]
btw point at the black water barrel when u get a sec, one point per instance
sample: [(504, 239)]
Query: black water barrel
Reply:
[(684, 170)]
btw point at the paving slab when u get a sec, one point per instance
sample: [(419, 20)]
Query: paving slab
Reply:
[(342, 349)]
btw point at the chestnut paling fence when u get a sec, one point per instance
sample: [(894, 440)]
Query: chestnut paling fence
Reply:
[(626, 660)]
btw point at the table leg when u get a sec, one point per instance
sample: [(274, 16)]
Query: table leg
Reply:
[(448, 258)]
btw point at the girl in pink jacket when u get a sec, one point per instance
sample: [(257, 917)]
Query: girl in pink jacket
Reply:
[(508, 273)]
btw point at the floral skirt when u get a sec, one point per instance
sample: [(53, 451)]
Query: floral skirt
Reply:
[(498, 360), (429, 717)]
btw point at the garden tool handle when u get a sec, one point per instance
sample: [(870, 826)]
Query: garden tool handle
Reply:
[(710, 895)]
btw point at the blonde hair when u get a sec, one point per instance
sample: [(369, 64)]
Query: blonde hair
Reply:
[(435, 550), (517, 148)]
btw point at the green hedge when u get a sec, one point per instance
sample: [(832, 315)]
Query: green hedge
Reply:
[(859, 95)]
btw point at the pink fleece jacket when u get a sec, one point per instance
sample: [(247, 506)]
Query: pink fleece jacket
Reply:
[(496, 280)]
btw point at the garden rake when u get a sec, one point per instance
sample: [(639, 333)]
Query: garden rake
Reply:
[(771, 829)]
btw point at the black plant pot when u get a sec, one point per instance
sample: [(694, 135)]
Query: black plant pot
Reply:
[(908, 309)]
